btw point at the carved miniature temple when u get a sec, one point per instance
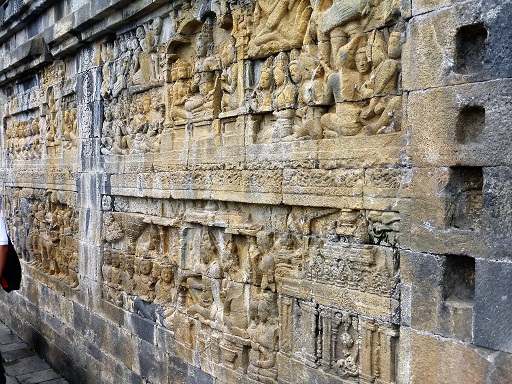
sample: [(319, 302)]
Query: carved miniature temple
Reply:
[(260, 191)]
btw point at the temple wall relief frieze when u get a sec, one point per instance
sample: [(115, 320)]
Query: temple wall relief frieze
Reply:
[(258, 191)]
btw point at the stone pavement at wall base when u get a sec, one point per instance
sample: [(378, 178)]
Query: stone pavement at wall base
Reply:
[(23, 365)]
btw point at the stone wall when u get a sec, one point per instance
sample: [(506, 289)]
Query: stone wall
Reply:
[(260, 191)]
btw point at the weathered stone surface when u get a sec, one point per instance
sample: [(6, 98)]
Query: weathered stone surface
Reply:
[(437, 360), (493, 306), (202, 193), (466, 125), (462, 43)]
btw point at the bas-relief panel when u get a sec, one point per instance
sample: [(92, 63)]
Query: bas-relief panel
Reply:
[(47, 232), (41, 122), (251, 287), (260, 280), (335, 74)]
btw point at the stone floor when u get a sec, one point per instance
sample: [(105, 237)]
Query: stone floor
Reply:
[(22, 365)]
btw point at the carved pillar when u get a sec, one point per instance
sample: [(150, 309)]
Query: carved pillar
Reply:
[(378, 352), (324, 344), (310, 331), (90, 180), (367, 363), (286, 337)]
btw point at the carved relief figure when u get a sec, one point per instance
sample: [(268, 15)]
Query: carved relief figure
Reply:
[(122, 60), (331, 24), (144, 281), (69, 128), (272, 21), (383, 114), (347, 85), (107, 133), (284, 98), (235, 309), (262, 95), (179, 91), (203, 280), (205, 89), (229, 76), (106, 70), (346, 347), (114, 282), (264, 333), (146, 65), (164, 288)]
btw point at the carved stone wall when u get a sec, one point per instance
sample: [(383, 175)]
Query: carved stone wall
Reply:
[(260, 191)]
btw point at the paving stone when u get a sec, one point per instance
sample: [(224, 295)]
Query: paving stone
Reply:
[(39, 377), (9, 356), (26, 365), (22, 364)]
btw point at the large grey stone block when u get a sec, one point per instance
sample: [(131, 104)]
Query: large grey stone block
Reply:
[(493, 305)]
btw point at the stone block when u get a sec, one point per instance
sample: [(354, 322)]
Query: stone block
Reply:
[(378, 151), (458, 210), (466, 125), (501, 373), (126, 349), (426, 273), (323, 187), (141, 327), (81, 318), (438, 361), (405, 304), (444, 212), (83, 15), (474, 47), (150, 362), (441, 294), (497, 208), (424, 6), (493, 305)]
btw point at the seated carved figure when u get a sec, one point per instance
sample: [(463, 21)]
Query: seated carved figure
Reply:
[(383, 114), (346, 87), (229, 77), (235, 310), (114, 281), (262, 95), (307, 72), (204, 100), (144, 281), (264, 343), (164, 288), (199, 284)]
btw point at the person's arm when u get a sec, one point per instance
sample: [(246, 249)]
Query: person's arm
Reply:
[(4, 245), (3, 257)]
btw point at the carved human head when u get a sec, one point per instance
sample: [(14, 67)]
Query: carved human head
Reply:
[(295, 71), (394, 45), (263, 310), (107, 257), (280, 68), (156, 25), (146, 104), (140, 33), (166, 273), (146, 266), (362, 63)]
